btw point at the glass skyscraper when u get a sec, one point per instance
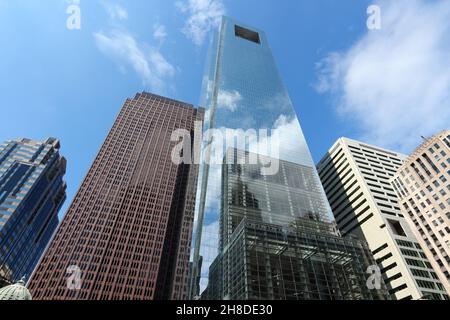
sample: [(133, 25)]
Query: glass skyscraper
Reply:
[(263, 233), (32, 191)]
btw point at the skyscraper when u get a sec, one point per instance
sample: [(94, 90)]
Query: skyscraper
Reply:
[(273, 246), (356, 177), (128, 231), (264, 228), (32, 191), (422, 184)]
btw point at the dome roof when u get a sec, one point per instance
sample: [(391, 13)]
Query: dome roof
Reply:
[(16, 291)]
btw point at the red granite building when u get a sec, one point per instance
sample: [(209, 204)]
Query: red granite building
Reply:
[(129, 228)]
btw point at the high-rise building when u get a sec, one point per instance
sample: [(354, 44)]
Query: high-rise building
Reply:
[(32, 191), (422, 184), (127, 233), (356, 178), (264, 229), (273, 246)]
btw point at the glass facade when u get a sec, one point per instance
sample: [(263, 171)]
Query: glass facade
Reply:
[(32, 191), (269, 262), (244, 95)]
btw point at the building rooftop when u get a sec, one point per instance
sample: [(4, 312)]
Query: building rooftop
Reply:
[(425, 145)]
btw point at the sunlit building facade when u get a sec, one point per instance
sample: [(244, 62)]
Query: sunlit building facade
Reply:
[(278, 201), (422, 184), (356, 178), (128, 230)]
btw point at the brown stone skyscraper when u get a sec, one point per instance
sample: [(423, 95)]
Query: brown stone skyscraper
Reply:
[(129, 228)]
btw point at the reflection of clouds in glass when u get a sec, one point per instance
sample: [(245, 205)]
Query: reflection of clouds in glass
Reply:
[(282, 139), (279, 102), (243, 91), (207, 118), (283, 128), (208, 86), (203, 283), (210, 241), (213, 194), (228, 100), (211, 236), (279, 137), (285, 139)]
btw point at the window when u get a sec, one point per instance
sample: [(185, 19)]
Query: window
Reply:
[(426, 284), (396, 227), (420, 273), (247, 34)]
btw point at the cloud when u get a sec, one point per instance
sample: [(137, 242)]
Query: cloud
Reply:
[(115, 11), (159, 32), (228, 100), (394, 83), (203, 16), (146, 61)]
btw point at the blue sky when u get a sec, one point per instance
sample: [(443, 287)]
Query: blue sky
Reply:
[(386, 86)]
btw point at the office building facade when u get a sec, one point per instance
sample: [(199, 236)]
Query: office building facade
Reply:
[(244, 95), (273, 247), (32, 191), (422, 184), (127, 233), (356, 178)]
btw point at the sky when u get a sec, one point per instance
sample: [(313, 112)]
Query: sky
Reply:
[(388, 86)]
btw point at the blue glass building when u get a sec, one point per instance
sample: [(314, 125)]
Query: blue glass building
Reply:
[(235, 256), (32, 191)]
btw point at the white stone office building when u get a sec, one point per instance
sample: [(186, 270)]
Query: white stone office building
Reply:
[(356, 178), (423, 186)]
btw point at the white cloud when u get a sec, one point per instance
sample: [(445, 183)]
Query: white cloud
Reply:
[(203, 16), (159, 32), (160, 64), (395, 83), (146, 61), (115, 11), (229, 100)]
